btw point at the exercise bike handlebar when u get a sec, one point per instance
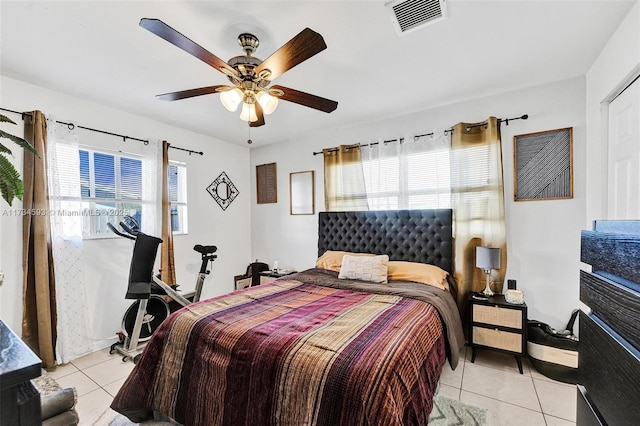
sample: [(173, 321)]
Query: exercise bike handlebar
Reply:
[(129, 225), (129, 230), (115, 231)]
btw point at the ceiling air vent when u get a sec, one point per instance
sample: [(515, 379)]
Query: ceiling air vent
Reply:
[(410, 15)]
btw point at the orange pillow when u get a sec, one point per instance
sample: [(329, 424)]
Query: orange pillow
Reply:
[(418, 272), (332, 260)]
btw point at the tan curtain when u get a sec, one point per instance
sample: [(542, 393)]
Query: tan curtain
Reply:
[(167, 263), (344, 188), (39, 300), (478, 203)]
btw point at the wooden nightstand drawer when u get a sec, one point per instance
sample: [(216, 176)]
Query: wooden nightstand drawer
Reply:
[(267, 279), (498, 339), (497, 325), (496, 315)]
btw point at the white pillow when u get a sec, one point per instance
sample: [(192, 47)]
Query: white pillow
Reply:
[(365, 268)]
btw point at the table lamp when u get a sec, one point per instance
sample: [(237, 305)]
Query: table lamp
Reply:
[(487, 259)]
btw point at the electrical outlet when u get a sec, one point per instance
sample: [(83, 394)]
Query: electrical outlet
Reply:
[(1, 276)]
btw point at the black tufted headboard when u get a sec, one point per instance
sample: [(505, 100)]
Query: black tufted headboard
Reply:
[(423, 236)]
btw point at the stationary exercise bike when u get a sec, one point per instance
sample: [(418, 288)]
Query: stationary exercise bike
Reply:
[(154, 299)]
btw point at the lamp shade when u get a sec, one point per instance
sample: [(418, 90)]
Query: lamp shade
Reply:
[(248, 113), (267, 102), (488, 257), (231, 99)]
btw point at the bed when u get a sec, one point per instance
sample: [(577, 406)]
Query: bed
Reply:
[(312, 348)]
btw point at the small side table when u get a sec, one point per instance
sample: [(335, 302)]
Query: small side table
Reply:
[(498, 325), (268, 276)]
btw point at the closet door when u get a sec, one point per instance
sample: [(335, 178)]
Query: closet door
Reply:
[(624, 154)]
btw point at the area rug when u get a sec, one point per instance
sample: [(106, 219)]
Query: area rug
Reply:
[(57, 405), (46, 384), (449, 412)]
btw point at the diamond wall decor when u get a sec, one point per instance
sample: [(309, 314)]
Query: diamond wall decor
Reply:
[(223, 190)]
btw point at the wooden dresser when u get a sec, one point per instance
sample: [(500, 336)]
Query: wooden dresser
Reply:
[(609, 351)]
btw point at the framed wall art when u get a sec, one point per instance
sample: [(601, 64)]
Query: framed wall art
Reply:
[(543, 165), (267, 183), (301, 193)]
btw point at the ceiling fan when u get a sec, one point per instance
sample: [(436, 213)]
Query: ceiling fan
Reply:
[(250, 76)]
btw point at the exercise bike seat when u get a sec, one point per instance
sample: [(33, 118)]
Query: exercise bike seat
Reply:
[(205, 249)]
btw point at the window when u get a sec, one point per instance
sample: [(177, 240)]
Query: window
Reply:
[(178, 196), (407, 180), (112, 186)]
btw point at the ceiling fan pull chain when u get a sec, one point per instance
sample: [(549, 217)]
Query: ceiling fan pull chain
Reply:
[(249, 141)]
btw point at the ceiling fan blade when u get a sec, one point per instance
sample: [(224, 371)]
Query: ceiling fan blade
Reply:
[(164, 31), (260, 115), (183, 94), (306, 99), (300, 48)]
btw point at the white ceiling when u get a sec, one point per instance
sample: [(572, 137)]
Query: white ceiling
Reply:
[(96, 51)]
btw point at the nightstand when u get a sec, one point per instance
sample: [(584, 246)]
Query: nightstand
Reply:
[(268, 276), (499, 326)]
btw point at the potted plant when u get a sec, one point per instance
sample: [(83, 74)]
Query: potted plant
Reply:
[(11, 185)]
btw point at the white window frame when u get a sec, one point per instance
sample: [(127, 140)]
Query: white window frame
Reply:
[(181, 202)]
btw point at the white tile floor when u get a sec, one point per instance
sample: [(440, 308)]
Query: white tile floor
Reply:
[(492, 382), (97, 377)]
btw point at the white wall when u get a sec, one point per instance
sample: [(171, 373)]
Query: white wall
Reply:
[(107, 260), (616, 66), (543, 236)]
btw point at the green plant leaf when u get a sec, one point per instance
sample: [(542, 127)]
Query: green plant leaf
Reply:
[(5, 119), (4, 149), (10, 184), (19, 141)]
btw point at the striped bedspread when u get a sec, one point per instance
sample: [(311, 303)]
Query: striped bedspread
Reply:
[(292, 353)]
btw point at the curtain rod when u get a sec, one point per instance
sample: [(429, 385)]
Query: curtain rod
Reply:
[(416, 137), (124, 138)]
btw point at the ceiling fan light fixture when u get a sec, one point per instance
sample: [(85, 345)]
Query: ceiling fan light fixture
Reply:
[(250, 76), (231, 99), (268, 102), (248, 113)]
